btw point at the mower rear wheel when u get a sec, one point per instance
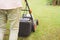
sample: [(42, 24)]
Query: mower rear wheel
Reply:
[(37, 23)]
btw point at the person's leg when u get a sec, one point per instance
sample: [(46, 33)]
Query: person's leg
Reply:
[(2, 23), (13, 17)]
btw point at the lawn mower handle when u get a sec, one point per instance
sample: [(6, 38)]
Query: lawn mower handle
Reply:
[(28, 6), (28, 9)]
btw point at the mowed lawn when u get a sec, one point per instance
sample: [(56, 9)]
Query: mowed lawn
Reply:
[(49, 21)]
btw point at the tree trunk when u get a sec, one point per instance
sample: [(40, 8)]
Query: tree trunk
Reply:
[(54, 2)]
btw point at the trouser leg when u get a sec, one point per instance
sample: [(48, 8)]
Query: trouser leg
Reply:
[(2, 23), (13, 17)]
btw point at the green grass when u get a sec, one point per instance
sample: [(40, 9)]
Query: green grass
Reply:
[(49, 21)]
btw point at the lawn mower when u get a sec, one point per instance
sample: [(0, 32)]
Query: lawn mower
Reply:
[(27, 23)]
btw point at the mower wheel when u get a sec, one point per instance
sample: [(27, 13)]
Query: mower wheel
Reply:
[(37, 23)]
